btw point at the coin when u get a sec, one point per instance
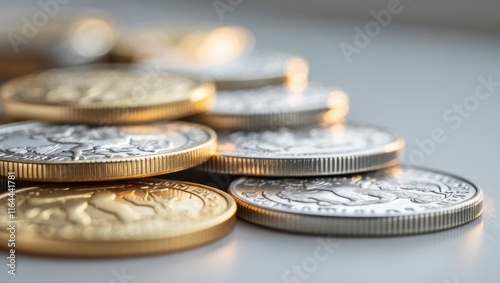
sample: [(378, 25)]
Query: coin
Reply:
[(105, 93), (39, 42), (393, 201), (256, 69), (305, 151), (120, 218), (275, 106), (66, 153), (182, 44)]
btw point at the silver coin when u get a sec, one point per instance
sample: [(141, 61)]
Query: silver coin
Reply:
[(306, 151), (393, 201), (50, 152), (256, 69), (275, 106)]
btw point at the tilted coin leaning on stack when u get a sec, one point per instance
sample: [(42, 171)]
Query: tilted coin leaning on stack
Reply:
[(296, 164)]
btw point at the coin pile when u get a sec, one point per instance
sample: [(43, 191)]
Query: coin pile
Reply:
[(97, 130)]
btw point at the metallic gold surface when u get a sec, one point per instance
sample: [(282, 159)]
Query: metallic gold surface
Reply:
[(103, 93), (133, 217), (182, 44), (75, 153)]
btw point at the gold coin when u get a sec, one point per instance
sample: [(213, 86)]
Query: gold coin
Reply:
[(134, 217), (182, 44), (46, 39), (99, 94), (75, 153)]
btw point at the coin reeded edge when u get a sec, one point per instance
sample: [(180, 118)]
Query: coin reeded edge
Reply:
[(112, 169), (362, 226), (16, 109), (366, 160), (213, 230), (126, 248)]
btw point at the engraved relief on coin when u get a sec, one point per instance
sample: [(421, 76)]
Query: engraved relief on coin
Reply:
[(390, 192), (307, 141), (54, 142), (115, 211), (276, 98), (101, 86)]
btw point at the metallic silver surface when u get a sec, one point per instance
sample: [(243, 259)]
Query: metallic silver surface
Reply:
[(393, 201), (41, 142), (275, 106), (257, 65), (74, 153), (306, 151), (405, 79), (258, 68)]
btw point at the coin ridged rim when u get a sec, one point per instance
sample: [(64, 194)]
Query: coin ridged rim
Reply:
[(364, 160), (275, 119), (112, 168), (425, 222), (116, 114), (212, 230)]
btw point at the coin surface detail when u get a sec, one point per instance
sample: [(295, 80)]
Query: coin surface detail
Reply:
[(305, 151), (105, 94), (275, 106), (118, 218), (62, 153), (393, 201)]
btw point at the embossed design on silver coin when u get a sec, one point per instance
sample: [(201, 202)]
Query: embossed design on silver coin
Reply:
[(273, 99), (51, 142), (333, 191), (340, 148), (404, 194), (305, 142)]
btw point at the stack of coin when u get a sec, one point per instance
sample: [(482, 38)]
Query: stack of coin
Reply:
[(106, 125), (306, 170), (292, 161), (338, 179)]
